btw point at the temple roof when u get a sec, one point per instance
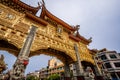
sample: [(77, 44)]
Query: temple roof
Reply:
[(45, 12), (31, 13), (77, 38), (37, 19), (80, 38), (20, 6)]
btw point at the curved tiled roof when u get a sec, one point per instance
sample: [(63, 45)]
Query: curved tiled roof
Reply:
[(77, 38), (80, 38), (21, 6), (31, 11), (37, 19), (45, 12)]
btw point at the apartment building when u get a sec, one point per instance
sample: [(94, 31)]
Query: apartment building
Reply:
[(110, 63), (54, 67)]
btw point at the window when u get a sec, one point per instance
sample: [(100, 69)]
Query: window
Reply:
[(103, 57), (117, 64), (107, 65), (113, 56)]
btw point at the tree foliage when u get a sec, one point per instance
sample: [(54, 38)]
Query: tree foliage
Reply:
[(32, 77), (54, 77)]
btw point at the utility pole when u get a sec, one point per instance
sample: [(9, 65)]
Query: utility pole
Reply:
[(17, 73)]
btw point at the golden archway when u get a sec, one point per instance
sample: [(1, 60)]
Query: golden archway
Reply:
[(53, 34)]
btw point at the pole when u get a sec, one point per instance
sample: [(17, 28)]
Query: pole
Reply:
[(25, 51), (67, 71), (80, 69), (99, 71), (23, 58)]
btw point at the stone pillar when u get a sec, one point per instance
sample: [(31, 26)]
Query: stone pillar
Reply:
[(25, 51), (19, 67), (79, 69), (75, 71), (99, 75), (67, 72)]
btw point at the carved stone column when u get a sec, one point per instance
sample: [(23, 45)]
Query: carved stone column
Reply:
[(74, 71), (79, 69), (99, 75), (17, 73), (67, 72)]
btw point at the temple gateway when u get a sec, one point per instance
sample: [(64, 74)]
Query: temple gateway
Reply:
[(24, 35)]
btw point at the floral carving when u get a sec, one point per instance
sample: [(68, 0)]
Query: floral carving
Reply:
[(10, 16)]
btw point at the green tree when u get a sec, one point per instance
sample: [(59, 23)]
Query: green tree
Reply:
[(32, 77), (54, 77)]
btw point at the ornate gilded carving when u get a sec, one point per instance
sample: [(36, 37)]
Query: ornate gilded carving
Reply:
[(10, 16), (59, 31)]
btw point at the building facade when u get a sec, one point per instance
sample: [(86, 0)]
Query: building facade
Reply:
[(36, 74), (110, 63), (54, 67)]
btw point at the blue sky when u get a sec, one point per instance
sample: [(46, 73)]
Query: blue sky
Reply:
[(99, 19)]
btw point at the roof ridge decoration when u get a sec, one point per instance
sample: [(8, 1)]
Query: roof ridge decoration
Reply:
[(75, 36), (45, 12)]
